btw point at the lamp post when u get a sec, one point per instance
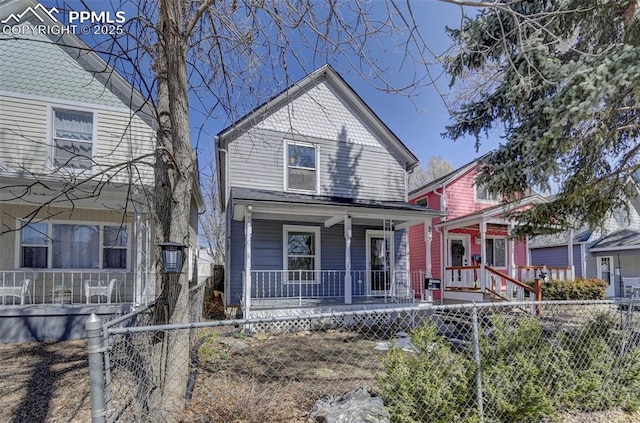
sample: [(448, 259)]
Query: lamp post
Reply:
[(172, 257)]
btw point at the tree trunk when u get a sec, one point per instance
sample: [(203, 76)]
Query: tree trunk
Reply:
[(174, 173)]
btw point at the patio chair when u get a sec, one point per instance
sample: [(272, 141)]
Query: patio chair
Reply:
[(93, 288), (630, 284), (19, 290)]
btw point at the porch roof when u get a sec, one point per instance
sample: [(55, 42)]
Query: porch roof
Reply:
[(494, 214), (624, 239), (273, 202)]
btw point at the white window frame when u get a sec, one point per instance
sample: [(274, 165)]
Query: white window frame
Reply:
[(51, 128), (287, 143), (285, 248), (424, 201), (50, 223), (491, 198), (506, 255)]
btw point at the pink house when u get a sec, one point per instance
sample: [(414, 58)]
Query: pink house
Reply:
[(469, 251)]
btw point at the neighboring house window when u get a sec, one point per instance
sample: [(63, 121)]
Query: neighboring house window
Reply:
[(483, 194), (73, 139), (34, 245), (302, 167), (73, 246), (496, 252), (302, 253), (114, 247), (423, 202)]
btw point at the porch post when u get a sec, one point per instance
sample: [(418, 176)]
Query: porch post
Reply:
[(572, 269), (512, 253), (248, 231), (483, 254), (428, 237), (445, 252), (347, 260), (137, 275)]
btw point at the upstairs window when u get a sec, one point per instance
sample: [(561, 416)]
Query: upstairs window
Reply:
[(73, 139), (423, 202), (483, 194), (302, 167)]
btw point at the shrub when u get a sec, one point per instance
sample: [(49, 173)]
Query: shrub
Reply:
[(578, 289), (429, 384)]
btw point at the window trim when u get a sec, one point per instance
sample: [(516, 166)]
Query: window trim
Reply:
[(51, 145), (50, 223), (316, 230), (506, 253), (424, 201), (477, 189), (286, 167)]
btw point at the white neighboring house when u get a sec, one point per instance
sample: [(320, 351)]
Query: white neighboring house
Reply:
[(611, 253), (77, 145)]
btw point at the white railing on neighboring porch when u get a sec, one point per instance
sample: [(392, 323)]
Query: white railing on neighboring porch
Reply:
[(308, 284), (531, 273), (68, 287)]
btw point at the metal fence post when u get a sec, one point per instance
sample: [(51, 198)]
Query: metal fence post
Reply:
[(93, 325), (476, 357)]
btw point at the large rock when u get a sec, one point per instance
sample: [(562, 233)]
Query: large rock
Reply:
[(353, 407)]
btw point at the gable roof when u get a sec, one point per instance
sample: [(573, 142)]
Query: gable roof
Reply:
[(446, 179), (496, 211), (85, 56), (324, 73), (624, 239)]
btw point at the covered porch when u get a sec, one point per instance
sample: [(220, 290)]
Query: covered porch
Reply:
[(302, 251), (482, 261)]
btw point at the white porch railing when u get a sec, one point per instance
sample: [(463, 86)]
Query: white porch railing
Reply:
[(317, 284), (69, 287), (530, 273), (462, 277)]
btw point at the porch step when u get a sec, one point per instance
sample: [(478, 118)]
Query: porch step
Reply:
[(468, 295)]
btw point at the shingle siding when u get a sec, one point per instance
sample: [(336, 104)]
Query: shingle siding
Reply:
[(24, 61)]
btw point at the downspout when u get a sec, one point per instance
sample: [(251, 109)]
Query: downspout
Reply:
[(228, 217), (443, 245)]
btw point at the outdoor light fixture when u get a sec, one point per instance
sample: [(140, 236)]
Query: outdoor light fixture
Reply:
[(172, 256)]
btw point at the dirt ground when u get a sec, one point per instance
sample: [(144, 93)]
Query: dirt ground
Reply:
[(44, 382)]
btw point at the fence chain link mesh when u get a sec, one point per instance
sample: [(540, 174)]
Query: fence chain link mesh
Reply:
[(552, 361)]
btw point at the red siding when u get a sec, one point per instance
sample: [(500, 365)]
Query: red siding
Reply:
[(460, 201)]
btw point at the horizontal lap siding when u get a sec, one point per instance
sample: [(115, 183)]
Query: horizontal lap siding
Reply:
[(123, 138), (23, 134), (24, 140), (346, 170)]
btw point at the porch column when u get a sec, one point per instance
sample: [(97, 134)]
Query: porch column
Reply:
[(428, 237), (444, 259), (347, 260), (248, 231), (483, 254), (137, 276), (512, 253), (572, 269)]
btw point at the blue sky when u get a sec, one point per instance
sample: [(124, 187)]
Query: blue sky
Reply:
[(418, 121)]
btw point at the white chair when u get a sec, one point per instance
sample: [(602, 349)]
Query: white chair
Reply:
[(93, 288), (19, 290), (630, 284)]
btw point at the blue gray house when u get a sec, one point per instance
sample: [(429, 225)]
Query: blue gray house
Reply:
[(610, 252), (314, 188)]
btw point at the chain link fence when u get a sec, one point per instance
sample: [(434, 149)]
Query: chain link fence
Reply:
[(499, 362)]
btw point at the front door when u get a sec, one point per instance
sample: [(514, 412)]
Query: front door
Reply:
[(606, 273), (458, 253), (379, 262)]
